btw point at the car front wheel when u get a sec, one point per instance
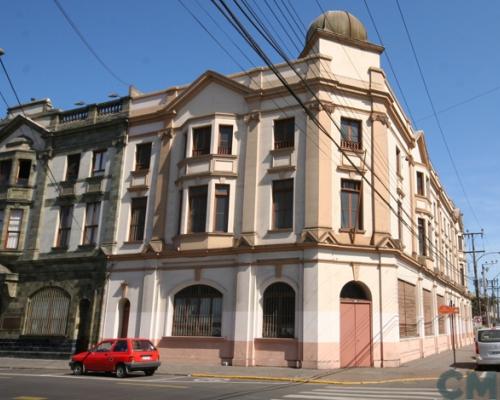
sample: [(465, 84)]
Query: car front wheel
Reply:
[(121, 371), (78, 369)]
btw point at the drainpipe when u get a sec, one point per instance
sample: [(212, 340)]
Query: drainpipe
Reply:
[(380, 316)]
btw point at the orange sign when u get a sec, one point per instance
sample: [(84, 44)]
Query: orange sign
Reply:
[(447, 310)]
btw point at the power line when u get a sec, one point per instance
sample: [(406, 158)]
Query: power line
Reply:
[(260, 52), (10, 82), (461, 103), (440, 128), (386, 52), (87, 44), (4, 100)]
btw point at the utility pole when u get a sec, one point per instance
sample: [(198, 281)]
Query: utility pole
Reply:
[(474, 263)]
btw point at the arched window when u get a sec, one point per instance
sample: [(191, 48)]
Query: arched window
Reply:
[(197, 312), (279, 311), (47, 313)]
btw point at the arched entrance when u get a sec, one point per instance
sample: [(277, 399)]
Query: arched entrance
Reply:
[(355, 326), (82, 341), (123, 315)]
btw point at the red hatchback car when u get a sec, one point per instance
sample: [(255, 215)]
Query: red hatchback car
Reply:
[(118, 355)]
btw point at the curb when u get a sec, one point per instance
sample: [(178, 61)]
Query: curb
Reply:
[(312, 380)]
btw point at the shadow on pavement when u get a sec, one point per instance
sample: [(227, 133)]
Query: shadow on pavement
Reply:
[(464, 365)]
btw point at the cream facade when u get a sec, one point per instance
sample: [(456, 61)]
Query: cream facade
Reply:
[(276, 236)]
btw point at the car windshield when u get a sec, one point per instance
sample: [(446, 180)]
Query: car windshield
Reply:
[(492, 335), (143, 345)]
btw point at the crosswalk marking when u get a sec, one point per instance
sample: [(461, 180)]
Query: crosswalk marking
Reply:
[(364, 393)]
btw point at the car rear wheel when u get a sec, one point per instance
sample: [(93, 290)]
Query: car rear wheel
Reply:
[(78, 369), (121, 371), (149, 372)]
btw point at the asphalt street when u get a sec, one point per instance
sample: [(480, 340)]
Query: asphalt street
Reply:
[(52, 385)]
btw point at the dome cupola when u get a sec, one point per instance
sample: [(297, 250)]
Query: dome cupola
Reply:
[(339, 23)]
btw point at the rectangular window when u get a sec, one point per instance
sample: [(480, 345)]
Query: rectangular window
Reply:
[(73, 167), (142, 156), (284, 133), (400, 222), (179, 217), (351, 210), (65, 217), (197, 209), (428, 314), (201, 140), (398, 161), (23, 172), (225, 139), (5, 169), (137, 218), (283, 204), (422, 240), (440, 302), (420, 184), (350, 131), (221, 207), (2, 217), (407, 309), (462, 275), (98, 160), (91, 223), (14, 229)]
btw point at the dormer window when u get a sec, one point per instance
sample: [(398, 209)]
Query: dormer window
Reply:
[(350, 130), (201, 140), (23, 173), (284, 133)]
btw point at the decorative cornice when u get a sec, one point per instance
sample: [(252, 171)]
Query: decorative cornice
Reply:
[(381, 117), (253, 116), (316, 106)]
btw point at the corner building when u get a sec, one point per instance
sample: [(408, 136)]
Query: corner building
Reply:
[(263, 243)]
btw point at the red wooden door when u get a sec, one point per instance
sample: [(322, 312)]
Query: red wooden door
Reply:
[(355, 334)]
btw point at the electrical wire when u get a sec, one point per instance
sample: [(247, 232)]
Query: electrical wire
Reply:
[(87, 44), (438, 122), (386, 52), (284, 82)]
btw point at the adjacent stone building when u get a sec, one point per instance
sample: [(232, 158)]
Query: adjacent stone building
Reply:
[(60, 182), (256, 236)]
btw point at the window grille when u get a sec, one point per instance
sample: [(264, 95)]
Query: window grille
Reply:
[(197, 312), (47, 313), (279, 311)]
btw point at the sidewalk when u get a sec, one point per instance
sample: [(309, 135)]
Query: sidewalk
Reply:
[(428, 368)]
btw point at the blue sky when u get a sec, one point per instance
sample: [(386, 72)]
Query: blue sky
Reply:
[(156, 44)]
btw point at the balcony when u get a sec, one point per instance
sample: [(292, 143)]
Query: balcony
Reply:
[(139, 180), (208, 165), (67, 189), (94, 185), (91, 113), (350, 145), (17, 193)]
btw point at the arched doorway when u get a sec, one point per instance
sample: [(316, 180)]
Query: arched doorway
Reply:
[(82, 341), (355, 326), (123, 315)]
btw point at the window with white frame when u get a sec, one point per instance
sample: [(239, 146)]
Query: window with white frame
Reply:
[(14, 229), (91, 223)]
